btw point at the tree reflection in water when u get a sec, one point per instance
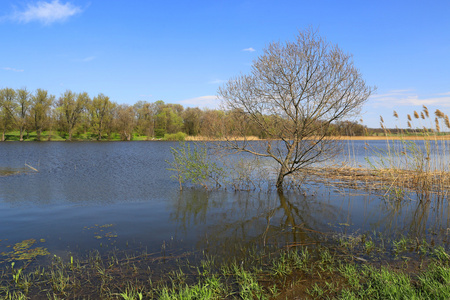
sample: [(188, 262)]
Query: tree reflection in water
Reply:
[(231, 223), (228, 222)]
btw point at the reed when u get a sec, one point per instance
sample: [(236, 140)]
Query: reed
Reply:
[(421, 164), (418, 163)]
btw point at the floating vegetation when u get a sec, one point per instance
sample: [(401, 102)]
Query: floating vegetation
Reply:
[(99, 231), (10, 171), (110, 235), (23, 251)]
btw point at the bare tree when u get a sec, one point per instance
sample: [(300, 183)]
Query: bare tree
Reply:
[(294, 92)]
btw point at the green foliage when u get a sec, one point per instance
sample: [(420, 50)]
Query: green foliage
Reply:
[(192, 165), (179, 136), (159, 133)]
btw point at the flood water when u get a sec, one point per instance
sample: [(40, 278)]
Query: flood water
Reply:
[(89, 195)]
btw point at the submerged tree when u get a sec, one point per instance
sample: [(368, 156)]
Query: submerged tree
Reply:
[(293, 94)]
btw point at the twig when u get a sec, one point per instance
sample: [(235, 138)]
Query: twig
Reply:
[(31, 167)]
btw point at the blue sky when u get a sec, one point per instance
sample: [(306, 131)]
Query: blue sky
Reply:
[(182, 51)]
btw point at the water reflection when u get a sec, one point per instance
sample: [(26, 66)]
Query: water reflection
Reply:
[(127, 184), (226, 225), (248, 219)]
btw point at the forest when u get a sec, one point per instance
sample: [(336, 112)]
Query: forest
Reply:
[(26, 115)]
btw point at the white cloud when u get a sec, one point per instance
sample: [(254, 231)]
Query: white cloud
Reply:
[(46, 12), (12, 69), (409, 98), (217, 81), (249, 49), (201, 102)]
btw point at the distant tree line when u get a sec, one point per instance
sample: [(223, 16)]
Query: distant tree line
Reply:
[(73, 115)]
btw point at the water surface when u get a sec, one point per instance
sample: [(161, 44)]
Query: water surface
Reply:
[(91, 195)]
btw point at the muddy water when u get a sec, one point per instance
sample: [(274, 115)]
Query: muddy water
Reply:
[(119, 195)]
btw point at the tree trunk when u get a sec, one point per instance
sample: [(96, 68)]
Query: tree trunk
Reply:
[(21, 134), (284, 169), (280, 179), (38, 134), (70, 135)]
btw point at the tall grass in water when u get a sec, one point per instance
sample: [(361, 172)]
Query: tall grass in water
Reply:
[(419, 159)]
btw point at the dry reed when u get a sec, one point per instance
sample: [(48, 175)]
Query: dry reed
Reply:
[(418, 163)]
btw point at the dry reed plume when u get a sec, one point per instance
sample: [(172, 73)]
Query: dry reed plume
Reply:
[(414, 165)]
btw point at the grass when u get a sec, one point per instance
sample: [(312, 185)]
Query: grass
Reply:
[(332, 270), (89, 136), (57, 136)]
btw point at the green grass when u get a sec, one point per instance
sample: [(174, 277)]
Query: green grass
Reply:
[(88, 136), (330, 272)]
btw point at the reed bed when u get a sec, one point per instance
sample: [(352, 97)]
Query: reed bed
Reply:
[(435, 182), (417, 164)]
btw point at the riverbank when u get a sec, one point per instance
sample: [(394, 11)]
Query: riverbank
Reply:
[(348, 267), (87, 137), (396, 137)]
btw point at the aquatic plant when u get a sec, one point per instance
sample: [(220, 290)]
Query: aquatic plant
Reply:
[(326, 271), (193, 165), (23, 251)]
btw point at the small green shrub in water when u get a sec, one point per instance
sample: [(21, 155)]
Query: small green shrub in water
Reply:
[(192, 164)]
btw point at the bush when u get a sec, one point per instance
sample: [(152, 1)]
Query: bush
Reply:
[(192, 164), (179, 136)]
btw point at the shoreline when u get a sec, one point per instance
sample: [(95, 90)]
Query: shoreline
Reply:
[(249, 138)]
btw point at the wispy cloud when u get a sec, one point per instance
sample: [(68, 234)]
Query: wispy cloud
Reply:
[(409, 98), (12, 69), (217, 81), (86, 59), (249, 49), (46, 12), (202, 102)]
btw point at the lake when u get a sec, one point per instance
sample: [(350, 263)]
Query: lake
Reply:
[(92, 195)]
